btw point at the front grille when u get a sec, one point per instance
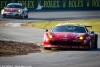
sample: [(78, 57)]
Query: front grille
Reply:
[(17, 15), (64, 43)]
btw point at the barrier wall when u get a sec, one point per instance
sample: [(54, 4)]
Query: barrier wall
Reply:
[(56, 4)]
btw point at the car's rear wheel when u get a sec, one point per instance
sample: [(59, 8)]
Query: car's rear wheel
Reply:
[(96, 40)]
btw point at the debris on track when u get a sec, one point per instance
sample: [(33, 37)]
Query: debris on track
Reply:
[(12, 48)]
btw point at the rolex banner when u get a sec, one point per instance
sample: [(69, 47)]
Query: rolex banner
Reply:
[(55, 4)]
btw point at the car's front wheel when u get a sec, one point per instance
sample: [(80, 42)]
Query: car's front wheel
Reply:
[(22, 16), (90, 44), (47, 48), (96, 40), (2, 16), (26, 16)]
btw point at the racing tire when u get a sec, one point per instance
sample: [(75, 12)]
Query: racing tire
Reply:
[(26, 16), (46, 48), (96, 41), (90, 45), (3, 17), (22, 17)]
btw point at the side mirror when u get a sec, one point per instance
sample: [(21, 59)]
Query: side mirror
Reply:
[(46, 30), (92, 32)]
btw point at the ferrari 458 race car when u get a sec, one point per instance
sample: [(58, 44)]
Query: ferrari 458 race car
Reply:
[(71, 36), (14, 10)]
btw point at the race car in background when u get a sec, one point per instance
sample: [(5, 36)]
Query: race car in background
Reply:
[(70, 36), (14, 10)]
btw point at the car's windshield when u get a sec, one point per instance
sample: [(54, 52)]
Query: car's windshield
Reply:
[(76, 29), (13, 6)]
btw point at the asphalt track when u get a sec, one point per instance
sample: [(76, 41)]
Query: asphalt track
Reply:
[(61, 58), (56, 15)]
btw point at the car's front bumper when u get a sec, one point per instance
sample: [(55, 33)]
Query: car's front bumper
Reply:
[(11, 14), (68, 47), (66, 44)]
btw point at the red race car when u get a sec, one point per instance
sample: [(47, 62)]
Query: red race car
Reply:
[(70, 36)]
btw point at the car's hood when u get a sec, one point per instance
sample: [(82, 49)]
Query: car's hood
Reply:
[(67, 34), (11, 9)]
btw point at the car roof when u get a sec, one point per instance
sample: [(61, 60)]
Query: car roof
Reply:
[(14, 4), (70, 24)]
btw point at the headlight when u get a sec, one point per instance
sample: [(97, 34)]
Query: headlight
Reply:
[(50, 35), (3, 10), (81, 38), (19, 11)]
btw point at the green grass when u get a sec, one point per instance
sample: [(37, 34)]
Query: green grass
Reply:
[(50, 24)]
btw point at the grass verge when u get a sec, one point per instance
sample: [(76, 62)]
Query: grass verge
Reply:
[(12, 48), (50, 24)]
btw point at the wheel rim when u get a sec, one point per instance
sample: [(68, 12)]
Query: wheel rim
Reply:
[(90, 44), (23, 16)]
